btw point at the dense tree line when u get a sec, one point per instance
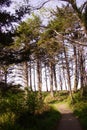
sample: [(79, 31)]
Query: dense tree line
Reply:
[(56, 51), (36, 58)]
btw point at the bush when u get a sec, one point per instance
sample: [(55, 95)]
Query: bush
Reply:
[(42, 121), (20, 112), (33, 103), (80, 108)]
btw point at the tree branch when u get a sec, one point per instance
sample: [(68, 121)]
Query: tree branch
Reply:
[(40, 6), (83, 6), (69, 39)]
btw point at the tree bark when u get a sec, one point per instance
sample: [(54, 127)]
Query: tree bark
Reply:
[(46, 78), (81, 69), (26, 73), (75, 70), (39, 78), (51, 79), (55, 79), (68, 73), (30, 74), (6, 73), (34, 76), (61, 85), (63, 64)]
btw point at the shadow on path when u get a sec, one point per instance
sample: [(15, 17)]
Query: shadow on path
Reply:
[(68, 120)]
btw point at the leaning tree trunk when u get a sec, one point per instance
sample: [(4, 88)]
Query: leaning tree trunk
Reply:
[(82, 17)]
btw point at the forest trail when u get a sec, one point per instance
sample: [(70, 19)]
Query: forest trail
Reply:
[(68, 120)]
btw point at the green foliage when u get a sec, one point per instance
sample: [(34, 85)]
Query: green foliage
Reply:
[(21, 112), (50, 46), (8, 19), (80, 108), (46, 120), (48, 98), (59, 96), (28, 31), (76, 98), (11, 106), (12, 102), (33, 102), (64, 20)]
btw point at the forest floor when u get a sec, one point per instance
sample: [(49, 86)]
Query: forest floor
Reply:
[(68, 120)]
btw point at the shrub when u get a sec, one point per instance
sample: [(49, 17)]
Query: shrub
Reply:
[(80, 108)]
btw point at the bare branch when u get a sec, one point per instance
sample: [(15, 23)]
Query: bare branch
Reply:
[(40, 6), (69, 1), (83, 6), (73, 41)]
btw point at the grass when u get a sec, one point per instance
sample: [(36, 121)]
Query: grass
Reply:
[(46, 120), (60, 96), (16, 113), (80, 108), (79, 105)]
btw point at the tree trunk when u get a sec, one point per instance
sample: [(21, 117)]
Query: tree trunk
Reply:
[(34, 76), (60, 81), (30, 76), (75, 70), (81, 69), (39, 79), (6, 79), (46, 78), (55, 79), (5, 70), (63, 72), (68, 73), (26, 73), (51, 79)]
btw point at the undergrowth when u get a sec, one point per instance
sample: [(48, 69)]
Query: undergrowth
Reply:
[(59, 96), (18, 112), (79, 107)]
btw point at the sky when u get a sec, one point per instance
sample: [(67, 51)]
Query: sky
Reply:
[(52, 4), (35, 3)]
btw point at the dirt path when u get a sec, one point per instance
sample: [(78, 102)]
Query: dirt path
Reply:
[(68, 120)]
